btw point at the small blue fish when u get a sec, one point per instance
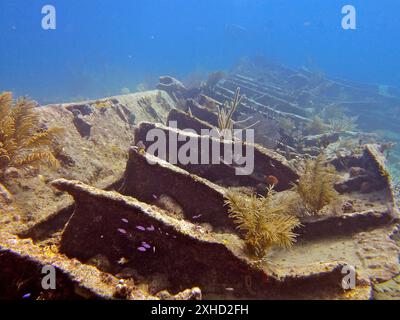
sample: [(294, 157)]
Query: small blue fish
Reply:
[(26, 296), (123, 231), (196, 217), (151, 228), (125, 220), (146, 245), (142, 249), (141, 228)]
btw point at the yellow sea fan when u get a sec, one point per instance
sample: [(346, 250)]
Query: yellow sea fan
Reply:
[(43, 138), (35, 157), (316, 185), (263, 222), (22, 142), (5, 104)]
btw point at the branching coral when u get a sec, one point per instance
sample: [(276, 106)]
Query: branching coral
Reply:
[(225, 117), (225, 114), (316, 185), (22, 142), (316, 126), (262, 220), (335, 116), (343, 124)]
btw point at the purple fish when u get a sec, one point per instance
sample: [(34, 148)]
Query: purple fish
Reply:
[(123, 231), (142, 249), (151, 228), (125, 220), (141, 228), (146, 245), (26, 296)]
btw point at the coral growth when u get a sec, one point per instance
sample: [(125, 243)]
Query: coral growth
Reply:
[(337, 120), (286, 124), (343, 124), (102, 104), (214, 78), (262, 220), (225, 114), (316, 186), (332, 111), (22, 142), (316, 126), (225, 117)]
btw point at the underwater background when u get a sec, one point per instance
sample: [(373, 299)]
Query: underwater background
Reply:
[(104, 48), (79, 191), (100, 47)]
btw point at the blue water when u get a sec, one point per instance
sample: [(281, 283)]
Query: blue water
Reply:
[(102, 46)]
